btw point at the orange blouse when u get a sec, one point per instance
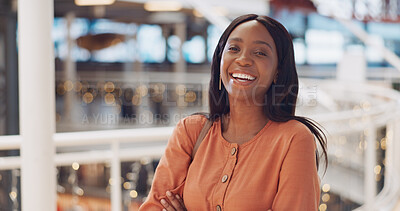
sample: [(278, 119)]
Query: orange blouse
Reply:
[(275, 170)]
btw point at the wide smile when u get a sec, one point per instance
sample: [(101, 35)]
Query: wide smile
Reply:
[(243, 79)]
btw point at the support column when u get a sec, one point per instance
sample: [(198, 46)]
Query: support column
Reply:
[(180, 31), (37, 104)]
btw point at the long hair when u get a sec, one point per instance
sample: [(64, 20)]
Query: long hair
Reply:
[(281, 97)]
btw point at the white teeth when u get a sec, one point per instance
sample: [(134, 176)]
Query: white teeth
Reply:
[(243, 76)]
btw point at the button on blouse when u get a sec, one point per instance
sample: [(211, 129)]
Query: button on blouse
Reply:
[(233, 151)]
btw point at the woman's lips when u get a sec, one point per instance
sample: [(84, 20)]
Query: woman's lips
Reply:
[(241, 80)]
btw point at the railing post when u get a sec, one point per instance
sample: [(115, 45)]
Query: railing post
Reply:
[(116, 200), (369, 165), (390, 153), (37, 104)]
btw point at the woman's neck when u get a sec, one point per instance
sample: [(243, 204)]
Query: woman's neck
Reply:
[(243, 122)]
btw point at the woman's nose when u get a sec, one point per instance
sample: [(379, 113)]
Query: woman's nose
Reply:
[(244, 60)]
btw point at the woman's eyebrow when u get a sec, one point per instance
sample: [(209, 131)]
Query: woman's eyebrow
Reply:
[(263, 42), (256, 42), (235, 39)]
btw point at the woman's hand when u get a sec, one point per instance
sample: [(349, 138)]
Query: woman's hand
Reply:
[(176, 203)]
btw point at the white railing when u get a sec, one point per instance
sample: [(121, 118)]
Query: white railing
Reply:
[(150, 142), (385, 112), (156, 139)]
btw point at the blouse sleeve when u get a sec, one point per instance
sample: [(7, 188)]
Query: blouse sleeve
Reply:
[(173, 166), (298, 187)]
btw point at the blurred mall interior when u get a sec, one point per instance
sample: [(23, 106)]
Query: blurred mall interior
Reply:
[(123, 72)]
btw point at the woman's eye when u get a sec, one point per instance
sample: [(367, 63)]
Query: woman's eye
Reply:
[(260, 53), (233, 48)]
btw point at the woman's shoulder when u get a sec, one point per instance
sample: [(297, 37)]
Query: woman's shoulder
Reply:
[(293, 128), (193, 121), (296, 133), (192, 124)]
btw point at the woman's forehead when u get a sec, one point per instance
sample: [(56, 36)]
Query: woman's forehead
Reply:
[(253, 31)]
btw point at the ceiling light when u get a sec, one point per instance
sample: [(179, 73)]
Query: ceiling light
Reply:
[(158, 6), (93, 2)]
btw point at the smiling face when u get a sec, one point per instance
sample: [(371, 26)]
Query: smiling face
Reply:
[(249, 62)]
